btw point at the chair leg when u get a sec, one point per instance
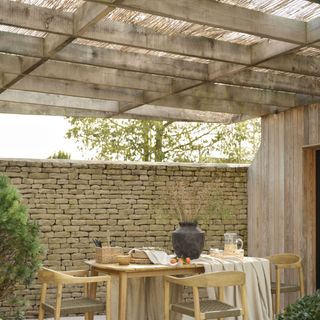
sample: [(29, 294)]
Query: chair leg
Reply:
[(57, 311), (277, 291), (301, 282), (108, 300), (196, 303), (221, 296), (244, 302), (166, 300), (42, 300), (86, 294)]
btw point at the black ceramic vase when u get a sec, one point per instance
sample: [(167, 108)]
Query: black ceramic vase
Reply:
[(188, 240)]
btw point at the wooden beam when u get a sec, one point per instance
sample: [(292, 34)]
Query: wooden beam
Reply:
[(134, 62), (176, 114), (304, 65), (53, 43), (270, 49), (40, 84), (87, 16), (33, 47), (212, 105), (115, 52), (221, 15), (59, 100), (130, 35), (313, 30), (16, 14), (96, 75), (253, 95), (14, 101), (118, 78), (36, 109), (72, 88), (62, 87), (14, 63), (275, 81), (111, 77), (200, 47), (218, 69), (21, 44), (39, 18)]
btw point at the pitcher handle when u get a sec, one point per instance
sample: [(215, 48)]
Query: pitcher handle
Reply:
[(241, 243)]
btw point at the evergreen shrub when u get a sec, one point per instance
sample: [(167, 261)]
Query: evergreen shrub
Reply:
[(20, 247), (306, 308)]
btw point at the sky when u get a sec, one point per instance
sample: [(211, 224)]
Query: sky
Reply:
[(35, 137)]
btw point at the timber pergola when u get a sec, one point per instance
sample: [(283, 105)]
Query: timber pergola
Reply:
[(189, 60)]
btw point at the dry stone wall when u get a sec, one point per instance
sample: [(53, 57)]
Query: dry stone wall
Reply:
[(76, 201)]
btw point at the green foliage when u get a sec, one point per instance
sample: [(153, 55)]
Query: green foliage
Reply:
[(60, 155), (141, 140), (306, 308), (17, 311), (239, 142), (20, 247)]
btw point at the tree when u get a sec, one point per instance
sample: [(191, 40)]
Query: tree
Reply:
[(239, 142), (20, 247), (60, 155), (142, 140)]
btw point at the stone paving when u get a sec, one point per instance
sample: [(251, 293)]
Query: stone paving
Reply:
[(79, 318)]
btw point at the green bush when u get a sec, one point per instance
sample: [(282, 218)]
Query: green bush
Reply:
[(306, 308), (20, 246)]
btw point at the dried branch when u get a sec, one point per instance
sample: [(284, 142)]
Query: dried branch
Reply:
[(192, 202)]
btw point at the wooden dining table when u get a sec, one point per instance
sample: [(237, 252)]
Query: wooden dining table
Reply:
[(136, 271), (144, 299)]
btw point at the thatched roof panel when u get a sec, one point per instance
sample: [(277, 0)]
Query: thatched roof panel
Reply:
[(63, 5)]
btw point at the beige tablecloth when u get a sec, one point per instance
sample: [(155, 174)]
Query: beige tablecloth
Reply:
[(257, 272), (145, 296)]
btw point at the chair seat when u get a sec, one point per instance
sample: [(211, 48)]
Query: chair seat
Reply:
[(212, 309), (80, 305), (285, 287)]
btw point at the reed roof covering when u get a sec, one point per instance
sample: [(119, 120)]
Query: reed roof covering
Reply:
[(189, 60)]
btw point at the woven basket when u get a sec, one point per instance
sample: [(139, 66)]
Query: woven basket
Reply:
[(108, 254), (138, 256), (140, 261)]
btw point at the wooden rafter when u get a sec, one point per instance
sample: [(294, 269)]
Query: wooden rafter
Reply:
[(182, 76), (216, 14), (81, 20)]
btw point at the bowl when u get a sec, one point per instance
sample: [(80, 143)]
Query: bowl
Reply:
[(124, 260)]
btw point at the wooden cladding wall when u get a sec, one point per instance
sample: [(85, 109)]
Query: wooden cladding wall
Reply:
[(281, 187)]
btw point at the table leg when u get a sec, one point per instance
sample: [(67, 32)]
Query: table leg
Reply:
[(92, 292), (123, 286)]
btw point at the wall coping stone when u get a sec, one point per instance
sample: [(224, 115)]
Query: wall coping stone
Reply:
[(133, 163)]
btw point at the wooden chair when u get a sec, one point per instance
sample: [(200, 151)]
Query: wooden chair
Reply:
[(82, 305), (281, 262), (208, 309)]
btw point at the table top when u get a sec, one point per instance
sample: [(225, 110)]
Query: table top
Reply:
[(151, 268), (140, 267)]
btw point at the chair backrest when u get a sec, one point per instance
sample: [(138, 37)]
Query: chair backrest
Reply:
[(281, 262), (50, 276), (213, 279), (285, 260), (59, 279)]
